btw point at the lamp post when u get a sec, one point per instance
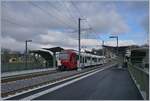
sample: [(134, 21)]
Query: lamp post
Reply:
[(117, 42), (26, 51)]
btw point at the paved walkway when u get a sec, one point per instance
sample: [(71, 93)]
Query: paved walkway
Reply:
[(110, 84)]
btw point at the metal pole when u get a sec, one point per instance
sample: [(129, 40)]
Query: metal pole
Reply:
[(79, 42), (26, 53), (103, 49), (117, 46)]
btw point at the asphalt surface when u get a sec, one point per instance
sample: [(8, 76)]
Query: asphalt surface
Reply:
[(110, 84)]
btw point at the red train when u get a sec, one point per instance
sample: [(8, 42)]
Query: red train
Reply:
[(69, 59)]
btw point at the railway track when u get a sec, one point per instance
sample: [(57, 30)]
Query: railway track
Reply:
[(26, 76), (40, 80)]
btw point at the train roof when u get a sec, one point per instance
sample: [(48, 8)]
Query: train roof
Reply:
[(91, 55), (84, 54)]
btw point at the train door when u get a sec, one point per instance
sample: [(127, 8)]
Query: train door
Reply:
[(73, 61)]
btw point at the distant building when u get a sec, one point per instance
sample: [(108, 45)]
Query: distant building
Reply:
[(111, 51)]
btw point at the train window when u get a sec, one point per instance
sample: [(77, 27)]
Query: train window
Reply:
[(63, 56)]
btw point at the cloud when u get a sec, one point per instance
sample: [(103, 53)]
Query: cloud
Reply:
[(51, 39), (121, 43), (53, 15), (58, 38), (50, 24), (145, 23), (110, 22), (10, 43), (137, 6)]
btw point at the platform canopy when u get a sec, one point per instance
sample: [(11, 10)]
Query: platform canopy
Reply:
[(47, 55), (54, 49)]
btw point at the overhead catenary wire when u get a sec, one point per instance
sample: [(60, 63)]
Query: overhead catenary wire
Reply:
[(60, 14), (95, 33), (11, 22), (62, 22), (80, 15), (72, 2), (90, 27), (20, 24), (69, 11), (59, 19)]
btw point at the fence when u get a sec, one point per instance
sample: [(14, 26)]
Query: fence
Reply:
[(18, 63), (141, 77), (8, 67)]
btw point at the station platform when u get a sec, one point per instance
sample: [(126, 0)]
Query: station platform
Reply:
[(111, 84)]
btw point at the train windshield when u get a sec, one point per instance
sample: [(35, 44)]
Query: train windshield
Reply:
[(63, 56)]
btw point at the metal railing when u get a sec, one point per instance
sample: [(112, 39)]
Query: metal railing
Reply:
[(141, 78)]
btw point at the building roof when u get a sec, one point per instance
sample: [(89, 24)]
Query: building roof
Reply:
[(116, 46)]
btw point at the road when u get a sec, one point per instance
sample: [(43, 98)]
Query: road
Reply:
[(110, 84)]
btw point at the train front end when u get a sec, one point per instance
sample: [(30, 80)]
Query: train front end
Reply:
[(65, 60)]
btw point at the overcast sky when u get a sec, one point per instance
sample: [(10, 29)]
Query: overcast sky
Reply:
[(55, 23)]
